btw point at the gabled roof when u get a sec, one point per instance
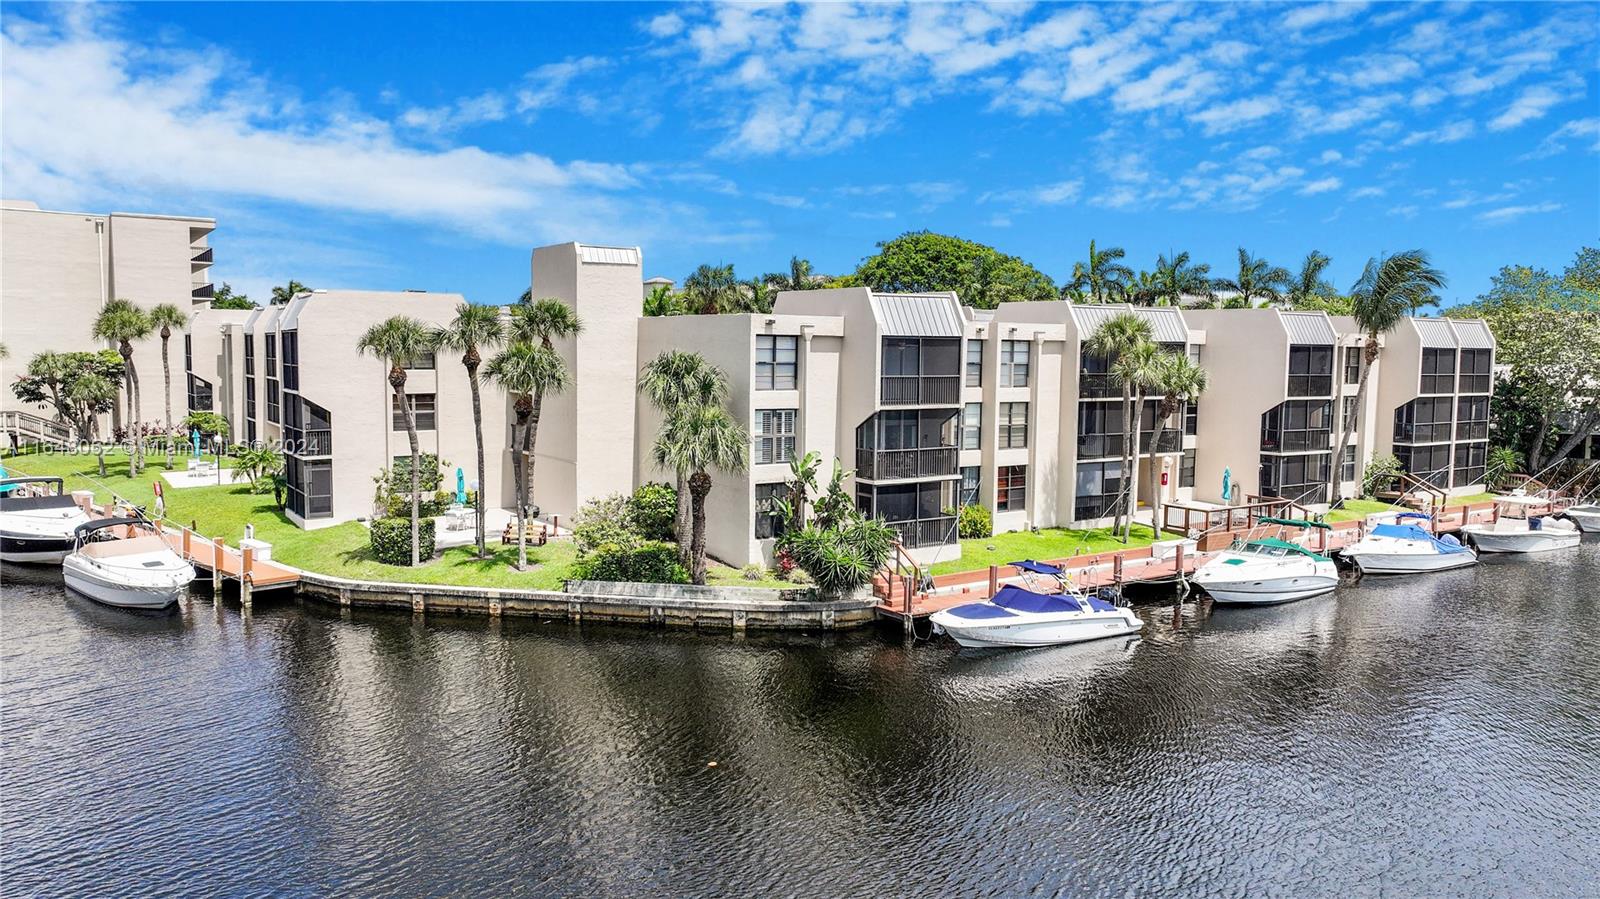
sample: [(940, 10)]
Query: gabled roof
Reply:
[(1472, 333), (917, 314), (1435, 332), (1166, 322), (1308, 328)]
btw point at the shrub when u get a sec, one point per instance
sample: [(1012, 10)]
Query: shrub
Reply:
[(654, 509), (391, 540), (974, 523), (207, 423), (639, 563), (604, 521), (841, 559), (1381, 472), (398, 478), (752, 572), (798, 576)]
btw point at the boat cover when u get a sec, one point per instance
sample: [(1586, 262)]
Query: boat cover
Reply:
[(974, 610), (1037, 567), (1275, 543), (1020, 600), (1412, 532), (1422, 515)]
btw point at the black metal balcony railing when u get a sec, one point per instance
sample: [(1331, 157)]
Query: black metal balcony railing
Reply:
[(203, 292), (914, 390), (927, 531), (1295, 441), (204, 256), (1098, 385), (888, 465), (1096, 446), (1431, 433), (317, 443)]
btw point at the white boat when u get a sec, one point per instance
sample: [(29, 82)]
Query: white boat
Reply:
[(1016, 616), (125, 562), (1405, 548), (1261, 568), (1586, 517), (1518, 529), (36, 521)]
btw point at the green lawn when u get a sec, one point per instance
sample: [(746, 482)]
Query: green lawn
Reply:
[(341, 550), (1359, 509), (1484, 497), (1048, 543)]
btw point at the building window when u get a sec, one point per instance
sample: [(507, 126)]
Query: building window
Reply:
[(974, 363), (969, 485), (971, 426), (1310, 370), (1471, 461), (1438, 371), (1472, 418), (310, 487), (290, 345), (1194, 353), (774, 436), (777, 362), (1099, 488), (1302, 479), (422, 409), (1297, 425), (770, 520), (1347, 467), (1011, 488), (1424, 420), (249, 354), (1186, 469), (188, 352), (1191, 418), (1012, 430), (1347, 413), (272, 401), (1014, 363), (1475, 375), (1426, 463), (199, 394), (424, 362), (1352, 365)]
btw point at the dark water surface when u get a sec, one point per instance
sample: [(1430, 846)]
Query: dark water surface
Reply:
[(1422, 736)]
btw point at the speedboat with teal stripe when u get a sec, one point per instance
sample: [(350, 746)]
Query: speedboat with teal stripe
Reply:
[(1262, 568), (1016, 616)]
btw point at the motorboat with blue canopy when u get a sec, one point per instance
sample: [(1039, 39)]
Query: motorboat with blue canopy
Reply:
[(1017, 616), (1407, 549), (1267, 565)]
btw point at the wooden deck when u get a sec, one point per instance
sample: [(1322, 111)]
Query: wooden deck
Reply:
[(214, 557)]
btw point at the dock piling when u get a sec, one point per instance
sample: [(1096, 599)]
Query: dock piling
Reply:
[(216, 568)]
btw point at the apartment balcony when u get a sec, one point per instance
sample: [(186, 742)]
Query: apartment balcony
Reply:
[(890, 465), (1295, 441), (1311, 385), (1098, 386), (1103, 446), (914, 390), (927, 531), (1472, 430), (203, 292), (317, 443), (202, 258), (1434, 433), (1475, 383)]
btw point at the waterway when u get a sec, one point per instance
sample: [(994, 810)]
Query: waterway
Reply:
[(1422, 736)]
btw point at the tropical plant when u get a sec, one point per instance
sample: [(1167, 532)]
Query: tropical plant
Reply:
[(224, 298), (974, 522), (1176, 381), (1390, 288), (475, 328), (834, 506), (208, 423), (525, 370), (389, 543), (257, 463), (121, 322), (713, 290), (923, 261), (1117, 336), (164, 317), (1502, 462), (398, 340), (801, 484), (1257, 280), (1139, 366), (1142, 289), (603, 519), (1308, 283), (646, 562), (701, 439), (842, 558), (800, 276), (1379, 474), (1177, 280), (757, 296), (663, 300), (675, 381), (287, 292), (1101, 278), (540, 323), (79, 386), (653, 509)]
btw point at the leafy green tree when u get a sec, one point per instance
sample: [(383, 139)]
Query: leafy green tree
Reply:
[(165, 317), (475, 328), (79, 386), (1177, 381), (225, 298), (673, 383), (398, 340), (663, 300), (1390, 288), (700, 440), (1257, 280), (121, 322), (1124, 334), (1308, 284), (923, 261), (800, 276), (287, 292), (758, 295), (1101, 278)]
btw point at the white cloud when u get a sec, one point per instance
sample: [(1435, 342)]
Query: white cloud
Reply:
[(1236, 114), (785, 200), (1321, 186), (1362, 193), (547, 84), (467, 111), (1330, 156), (1512, 213), (1556, 142), (998, 221), (1406, 212), (1302, 18), (1052, 194), (665, 25), (1445, 134), (1167, 85), (1532, 104), (1376, 69), (1343, 118)]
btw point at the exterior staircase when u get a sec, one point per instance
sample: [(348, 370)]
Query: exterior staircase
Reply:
[(31, 429)]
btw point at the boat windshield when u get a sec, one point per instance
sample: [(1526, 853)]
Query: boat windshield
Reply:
[(1271, 547)]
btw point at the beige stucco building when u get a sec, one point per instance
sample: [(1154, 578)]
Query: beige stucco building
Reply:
[(58, 270)]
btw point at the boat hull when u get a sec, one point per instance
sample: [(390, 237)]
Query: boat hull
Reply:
[(1543, 540), (154, 596), (1587, 519), (998, 633), (1269, 591), (34, 549), (1410, 563)]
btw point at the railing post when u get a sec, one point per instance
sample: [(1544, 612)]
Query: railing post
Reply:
[(1116, 569), (994, 579), (246, 587), (248, 561)]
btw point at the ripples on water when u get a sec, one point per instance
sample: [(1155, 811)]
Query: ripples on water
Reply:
[(1434, 735)]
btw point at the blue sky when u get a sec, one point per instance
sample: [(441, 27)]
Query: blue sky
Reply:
[(424, 146)]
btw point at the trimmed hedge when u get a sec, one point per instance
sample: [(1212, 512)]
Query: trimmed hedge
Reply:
[(391, 540), (643, 563)]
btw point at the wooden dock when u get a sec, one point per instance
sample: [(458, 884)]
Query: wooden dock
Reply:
[(224, 563)]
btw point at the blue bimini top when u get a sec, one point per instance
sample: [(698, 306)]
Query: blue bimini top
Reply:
[(1020, 600), (1036, 567), (1412, 532)]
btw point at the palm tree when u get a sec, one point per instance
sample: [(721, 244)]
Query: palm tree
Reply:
[(542, 322), (1116, 336), (799, 277), (1390, 288), (1138, 366), (287, 292), (1308, 283), (1257, 279), (698, 439), (166, 316), (1176, 278), (476, 327), (1178, 381), (712, 289), (122, 322), (1102, 276), (756, 296), (92, 394), (397, 341), (525, 370), (663, 300), (674, 381)]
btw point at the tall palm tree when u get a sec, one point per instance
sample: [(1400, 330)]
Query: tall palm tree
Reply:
[(663, 300), (398, 340), (1102, 276), (1177, 381), (1143, 289), (524, 370), (675, 381), (121, 322), (1308, 283), (756, 295), (475, 328), (1116, 336), (800, 276), (542, 322), (699, 439), (92, 394), (287, 292), (1257, 280), (712, 289), (1177, 278), (1137, 366), (1390, 288), (166, 316)]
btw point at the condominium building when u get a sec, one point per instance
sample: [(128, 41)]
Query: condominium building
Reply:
[(1435, 381), (59, 269)]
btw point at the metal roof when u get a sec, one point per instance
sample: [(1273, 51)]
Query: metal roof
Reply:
[(1308, 328), (608, 255), (918, 314), (1166, 323), (250, 323), (1435, 332), (1472, 334)]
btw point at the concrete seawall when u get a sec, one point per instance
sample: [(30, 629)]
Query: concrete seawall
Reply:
[(735, 608)]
